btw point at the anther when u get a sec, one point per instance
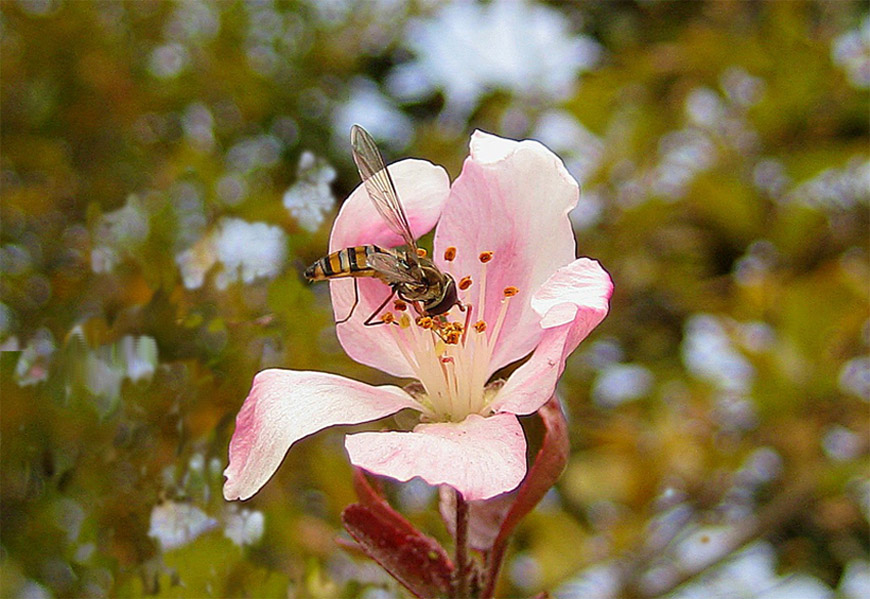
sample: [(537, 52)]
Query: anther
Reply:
[(404, 321), (510, 291), (464, 283), (450, 254), (480, 326), (388, 317), (424, 322), (400, 305), (421, 252), (485, 257)]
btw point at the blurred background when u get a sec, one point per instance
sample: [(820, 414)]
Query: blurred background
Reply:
[(169, 168)]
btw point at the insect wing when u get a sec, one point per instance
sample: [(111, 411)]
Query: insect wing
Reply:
[(380, 187), (391, 267)]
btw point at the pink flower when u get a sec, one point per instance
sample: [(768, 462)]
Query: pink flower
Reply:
[(512, 199)]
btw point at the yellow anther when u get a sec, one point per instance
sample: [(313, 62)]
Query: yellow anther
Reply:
[(404, 321), (464, 283), (452, 337), (388, 317), (485, 257), (424, 322), (400, 305), (450, 254), (510, 291), (421, 252), (480, 326)]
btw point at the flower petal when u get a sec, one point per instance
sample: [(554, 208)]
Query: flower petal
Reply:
[(571, 303), (512, 198), (287, 405), (480, 457), (423, 188)]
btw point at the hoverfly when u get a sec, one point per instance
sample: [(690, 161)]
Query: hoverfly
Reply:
[(410, 275)]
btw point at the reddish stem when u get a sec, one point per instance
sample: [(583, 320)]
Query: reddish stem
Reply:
[(494, 559), (461, 584)]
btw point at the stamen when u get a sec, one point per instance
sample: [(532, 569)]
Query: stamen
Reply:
[(467, 310), (500, 319), (451, 354), (421, 252), (481, 292), (449, 383), (449, 332)]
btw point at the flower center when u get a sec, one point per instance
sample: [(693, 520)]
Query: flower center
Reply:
[(451, 353)]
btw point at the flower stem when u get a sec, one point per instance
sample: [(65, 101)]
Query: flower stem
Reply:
[(461, 582), (493, 565)]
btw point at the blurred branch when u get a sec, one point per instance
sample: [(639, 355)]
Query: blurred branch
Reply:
[(796, 497), (461, 581)]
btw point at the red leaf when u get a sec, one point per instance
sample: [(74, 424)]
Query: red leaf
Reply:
[(412, 558), (365, 491)]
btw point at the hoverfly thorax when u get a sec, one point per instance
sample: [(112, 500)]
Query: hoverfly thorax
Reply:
[(436, 291), (405, 269)]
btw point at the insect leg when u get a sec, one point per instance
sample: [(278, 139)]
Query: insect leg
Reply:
[(369, 322), (353, 307)]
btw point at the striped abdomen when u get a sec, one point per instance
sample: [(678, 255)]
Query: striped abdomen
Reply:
[(349, 262)]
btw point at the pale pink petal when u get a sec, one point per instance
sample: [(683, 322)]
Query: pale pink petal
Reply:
[(512, 198), (571, 303), (480, 457), (287, 405), (423, 188)]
